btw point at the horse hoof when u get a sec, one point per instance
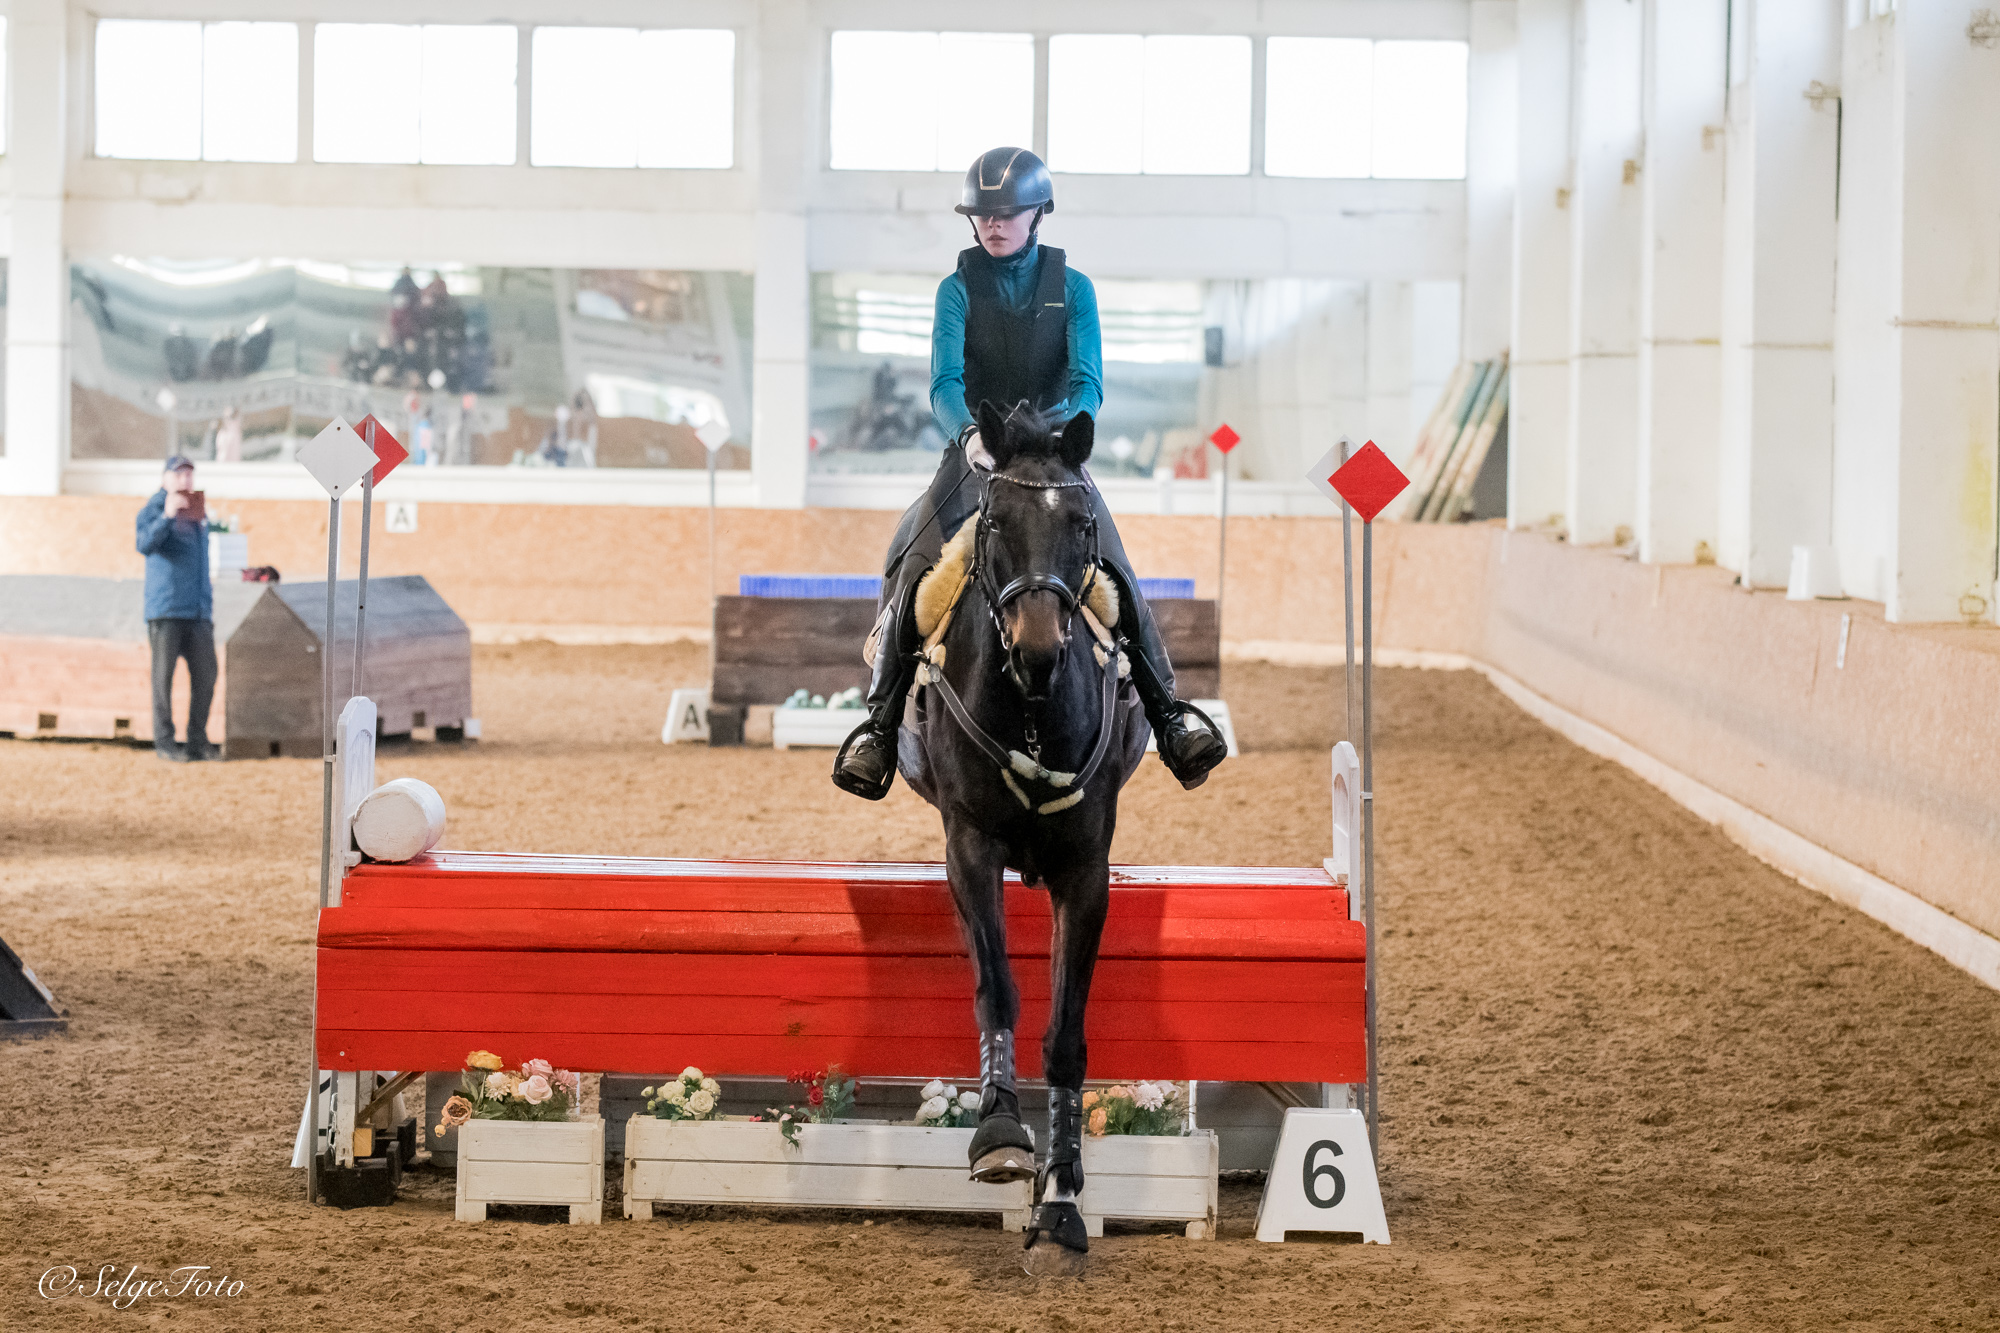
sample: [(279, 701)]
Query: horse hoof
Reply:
[(1004, 1165), (1057, 1242), (1191, 783), (1052, 1260)]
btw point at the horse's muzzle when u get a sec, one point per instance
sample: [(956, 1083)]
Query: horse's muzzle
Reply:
[(1034, 673)]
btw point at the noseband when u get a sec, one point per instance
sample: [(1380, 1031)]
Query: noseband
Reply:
[(998, 600)]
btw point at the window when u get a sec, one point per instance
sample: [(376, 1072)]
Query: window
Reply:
[(187, 91), (392, 92), (1160, 105), (1318, 92), (625, 97), (1347, 107), (891, 110)]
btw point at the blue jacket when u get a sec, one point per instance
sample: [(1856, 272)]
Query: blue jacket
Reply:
[(1017, 285), (176, 551)]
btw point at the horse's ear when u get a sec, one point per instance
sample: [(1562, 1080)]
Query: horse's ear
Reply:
[(1077, 437), (993, 433)]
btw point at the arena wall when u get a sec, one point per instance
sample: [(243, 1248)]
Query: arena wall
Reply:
[(1885, 757)]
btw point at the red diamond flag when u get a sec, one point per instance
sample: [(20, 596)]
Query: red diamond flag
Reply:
[(1368, 481), (386, 448), (1224, 438)]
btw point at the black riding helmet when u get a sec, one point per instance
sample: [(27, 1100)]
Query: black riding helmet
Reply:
[(1007, 180)]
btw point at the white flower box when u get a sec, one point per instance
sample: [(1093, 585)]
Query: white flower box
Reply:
[(833, 1166), (1133, 1177), (1150, 1178), (806, 727), (531, 1161)]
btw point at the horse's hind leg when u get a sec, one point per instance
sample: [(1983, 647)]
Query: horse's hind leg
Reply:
[(1080, 896), (1001, 1149)]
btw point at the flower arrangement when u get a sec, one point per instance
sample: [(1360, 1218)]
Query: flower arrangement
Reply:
[(688, 1096), (829, 1096), (945, 1107), (1135, 1108), (489, 1091)]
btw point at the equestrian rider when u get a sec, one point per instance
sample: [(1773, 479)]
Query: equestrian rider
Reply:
[(1015, 325)]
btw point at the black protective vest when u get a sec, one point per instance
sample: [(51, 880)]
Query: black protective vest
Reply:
[(1012, 356)]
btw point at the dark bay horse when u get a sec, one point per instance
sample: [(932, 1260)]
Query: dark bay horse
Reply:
[(1022, 736)]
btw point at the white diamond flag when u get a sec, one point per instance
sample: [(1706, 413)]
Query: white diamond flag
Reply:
[(337, 457), (713, 434), (1321, 474)]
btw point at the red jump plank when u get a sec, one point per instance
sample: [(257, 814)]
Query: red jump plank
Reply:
[(1287, 1062)]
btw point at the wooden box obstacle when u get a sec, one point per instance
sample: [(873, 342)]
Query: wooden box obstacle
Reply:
[(747, 968), (768, 646), (558, 1162), (74, 660)]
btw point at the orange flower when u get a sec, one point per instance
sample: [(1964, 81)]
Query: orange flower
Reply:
[(457, 1110), (1090, 1099), (483, 1060), (1097, 1121)]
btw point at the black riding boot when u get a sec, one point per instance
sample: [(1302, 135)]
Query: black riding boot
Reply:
[(866, 762), (1190, 745), (1056, 1216)]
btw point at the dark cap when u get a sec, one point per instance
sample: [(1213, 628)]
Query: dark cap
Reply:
[(175, 462), (1004, 181)]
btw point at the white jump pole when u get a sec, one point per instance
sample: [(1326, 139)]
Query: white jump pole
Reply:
[(1347, 577), (361, 606), (325, 837)]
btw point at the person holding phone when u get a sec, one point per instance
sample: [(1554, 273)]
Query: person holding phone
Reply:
[(180, 607)]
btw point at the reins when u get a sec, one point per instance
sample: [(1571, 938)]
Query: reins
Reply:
[(1069, 787)]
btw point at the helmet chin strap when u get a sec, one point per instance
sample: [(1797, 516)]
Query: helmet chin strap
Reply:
[(1034, 228)]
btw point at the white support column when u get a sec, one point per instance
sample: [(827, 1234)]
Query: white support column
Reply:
[(787, 134), (1680, 278), (1917, 424), (1492, 97), (1776, 463), (1603, 452), (1949, 433), (1538, 409), (37, 418)]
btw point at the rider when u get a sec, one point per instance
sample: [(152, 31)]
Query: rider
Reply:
[(997, 339)]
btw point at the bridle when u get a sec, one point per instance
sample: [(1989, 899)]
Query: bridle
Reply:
[(999, 599), (1063, 790)]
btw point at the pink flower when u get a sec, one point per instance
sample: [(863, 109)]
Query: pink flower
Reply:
[(534, 1067), (537, 1090)]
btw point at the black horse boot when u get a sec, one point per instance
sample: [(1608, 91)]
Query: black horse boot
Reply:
[(1056, 1218), (1190, 745), (1001, 1152), (866, 761)]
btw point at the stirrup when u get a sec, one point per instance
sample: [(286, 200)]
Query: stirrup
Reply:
[(847, 782), (1182, 708)]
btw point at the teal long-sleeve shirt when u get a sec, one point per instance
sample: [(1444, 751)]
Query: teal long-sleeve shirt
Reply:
[(1085, 391)]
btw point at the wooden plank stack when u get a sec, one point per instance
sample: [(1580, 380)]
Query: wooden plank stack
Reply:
[(749, 968), (1454, 443)]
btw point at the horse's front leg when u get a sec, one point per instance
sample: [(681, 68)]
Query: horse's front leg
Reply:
[(975, 863), (1080, 896)]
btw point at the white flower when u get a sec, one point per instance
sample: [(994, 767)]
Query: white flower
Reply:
[(951, 1092), (702, 1102), (500, 1083), (968, 1101), (674, 1094), (691, 1075), (537, 1090), (931, 1109), (711, 1087), (646, 1091), (934, 1088), (1149, 1096)]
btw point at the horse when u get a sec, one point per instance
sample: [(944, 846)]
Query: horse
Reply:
[(1023, 735)]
